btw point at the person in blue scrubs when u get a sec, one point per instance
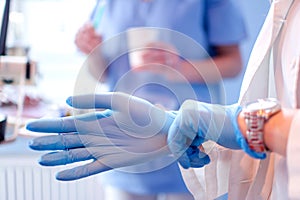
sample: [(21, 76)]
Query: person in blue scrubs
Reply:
[(214, 25)]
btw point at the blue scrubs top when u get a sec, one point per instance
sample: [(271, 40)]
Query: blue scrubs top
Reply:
[(200, 24)]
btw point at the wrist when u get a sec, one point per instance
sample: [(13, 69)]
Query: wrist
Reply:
[(276, 130), (243, 128), (252, 121)]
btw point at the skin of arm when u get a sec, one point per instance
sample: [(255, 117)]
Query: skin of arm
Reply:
[(86, 40), (226, 64), (276, 130)]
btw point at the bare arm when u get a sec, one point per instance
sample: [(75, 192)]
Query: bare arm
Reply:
[(86, 38), (226, 64), (87, 41)]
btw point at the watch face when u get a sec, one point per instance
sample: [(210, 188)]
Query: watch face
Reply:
[(262, 104)]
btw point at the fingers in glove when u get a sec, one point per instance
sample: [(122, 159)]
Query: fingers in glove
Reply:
[(193, 158), (82, 171), (57, 125), (66, 157), (136, 113), (197, 158), (64, 124), (177, 140), (57, 142), (116, 101)]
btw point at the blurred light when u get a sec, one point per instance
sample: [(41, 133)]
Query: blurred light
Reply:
[(16, 17)]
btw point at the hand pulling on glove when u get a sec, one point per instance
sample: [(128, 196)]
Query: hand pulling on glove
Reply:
[(133, 131), (197, 122)]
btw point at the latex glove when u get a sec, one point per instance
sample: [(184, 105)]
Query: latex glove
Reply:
[(197, 122), (132, 132)]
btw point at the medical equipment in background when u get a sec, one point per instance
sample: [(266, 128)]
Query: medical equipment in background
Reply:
[(15, 68), (17, 71)]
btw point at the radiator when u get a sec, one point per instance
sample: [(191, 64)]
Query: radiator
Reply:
[(24, 179)]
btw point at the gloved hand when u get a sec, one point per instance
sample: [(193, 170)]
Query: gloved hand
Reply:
[(197, 122), (132, 132)]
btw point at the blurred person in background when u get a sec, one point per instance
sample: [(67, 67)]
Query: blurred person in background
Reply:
[(215, 25), (264, 123)]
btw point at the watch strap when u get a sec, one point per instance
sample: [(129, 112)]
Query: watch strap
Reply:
[(255, 134)]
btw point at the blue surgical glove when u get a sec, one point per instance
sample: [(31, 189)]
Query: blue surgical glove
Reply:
[(197, 122), (131, 132)]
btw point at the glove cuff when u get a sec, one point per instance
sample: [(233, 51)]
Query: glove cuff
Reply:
[(169, 118)]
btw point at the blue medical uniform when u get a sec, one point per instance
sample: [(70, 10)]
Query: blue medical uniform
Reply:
[(202, 22)]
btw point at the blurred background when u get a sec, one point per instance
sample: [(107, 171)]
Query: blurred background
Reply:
[(47, 28)]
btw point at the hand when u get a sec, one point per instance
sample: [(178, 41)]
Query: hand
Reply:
[(197, 122), (133, 131), (87, 39), (160, 58)]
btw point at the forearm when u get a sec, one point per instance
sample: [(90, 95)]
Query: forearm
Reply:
[(276, 130), (226, 65), (97, 66)]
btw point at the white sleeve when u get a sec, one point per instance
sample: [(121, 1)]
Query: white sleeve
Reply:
[(210, 181), (293, 158)]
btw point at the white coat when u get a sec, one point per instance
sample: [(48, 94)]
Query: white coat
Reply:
[(273, 71)]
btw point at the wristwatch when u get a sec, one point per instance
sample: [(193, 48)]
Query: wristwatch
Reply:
[(256, 114)]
